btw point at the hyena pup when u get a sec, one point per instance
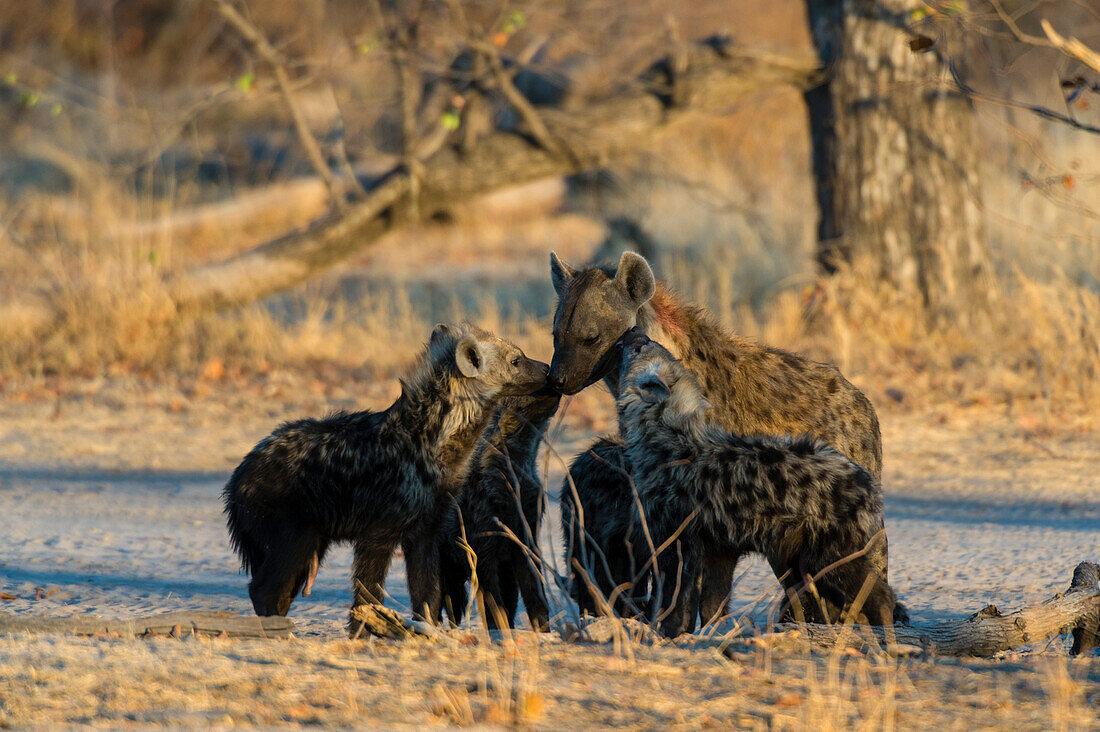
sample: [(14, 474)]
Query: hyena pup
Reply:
[(751, 388), (811, 511), (375, 479), (598, 527), (500, 513)]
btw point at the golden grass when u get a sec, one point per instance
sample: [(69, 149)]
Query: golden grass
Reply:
[(1037, 349), (523, 680)]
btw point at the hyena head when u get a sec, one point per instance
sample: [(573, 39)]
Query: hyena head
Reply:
[(595, 307), (483, 366), (654, 388)]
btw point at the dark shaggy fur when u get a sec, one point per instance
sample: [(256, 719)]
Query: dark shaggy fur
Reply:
[(795, 500), (752, 389), (503, 489), (598, 528), (376, 479)]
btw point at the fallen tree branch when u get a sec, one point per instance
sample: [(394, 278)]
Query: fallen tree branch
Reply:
[(987, 631), (384, 622), (177, 624), (602, 132)]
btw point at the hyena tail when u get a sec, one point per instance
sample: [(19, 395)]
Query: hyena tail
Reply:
[(244, 545)]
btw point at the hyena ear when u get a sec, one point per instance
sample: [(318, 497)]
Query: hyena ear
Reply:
[(560, 274), (652, 390), (469, 357), (439, 332), (636, 278)]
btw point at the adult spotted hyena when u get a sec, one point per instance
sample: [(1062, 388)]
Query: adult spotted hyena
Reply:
[(376, 479), (810, 510), (503, 491), (752, 388)]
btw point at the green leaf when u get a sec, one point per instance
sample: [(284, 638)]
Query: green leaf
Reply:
[(55, 110), (10, 78), (517, 19), (244, 81), (367, 46), (29, 99), (450, 120)]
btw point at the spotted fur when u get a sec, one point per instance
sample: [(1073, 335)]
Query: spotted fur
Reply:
[(796, 500), (752, 388), (375, 479)]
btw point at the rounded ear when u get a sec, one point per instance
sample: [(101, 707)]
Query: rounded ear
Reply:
[(652, 390), (469, 357), (636, 278), (560, 274), (439, 331)]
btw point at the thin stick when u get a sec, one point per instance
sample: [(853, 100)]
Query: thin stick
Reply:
[(252, 35)]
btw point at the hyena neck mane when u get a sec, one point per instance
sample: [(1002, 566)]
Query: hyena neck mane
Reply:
[(443, 411), (521, 423), (683, 328)]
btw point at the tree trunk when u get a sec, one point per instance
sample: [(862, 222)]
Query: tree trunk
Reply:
[(895, 155)]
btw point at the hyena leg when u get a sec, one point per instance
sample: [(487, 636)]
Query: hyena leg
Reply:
[(531, 589), (454, 573), (368, 572), (423, 571), (494, 605), (675, 587), (715, 579), (288, 564), (509, 592)]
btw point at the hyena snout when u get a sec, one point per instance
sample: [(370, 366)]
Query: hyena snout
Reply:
[(531, 377)]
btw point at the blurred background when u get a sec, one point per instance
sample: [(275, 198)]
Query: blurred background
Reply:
[(143, 140)]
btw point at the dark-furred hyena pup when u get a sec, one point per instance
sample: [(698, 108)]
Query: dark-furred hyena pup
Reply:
[(752, 388), (598, 527), (795, 500), (376, 479), (503, 490)]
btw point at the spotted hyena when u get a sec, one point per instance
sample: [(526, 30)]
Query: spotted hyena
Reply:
[(375, 479), (751, 388), (807, 508)]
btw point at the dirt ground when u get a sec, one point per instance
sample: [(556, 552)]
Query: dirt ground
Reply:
[(110, 491)]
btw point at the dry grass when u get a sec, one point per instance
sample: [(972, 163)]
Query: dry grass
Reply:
[(523, 680), (1037, 348)]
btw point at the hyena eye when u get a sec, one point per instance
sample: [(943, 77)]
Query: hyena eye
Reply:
[(591, 340), (515, 361)]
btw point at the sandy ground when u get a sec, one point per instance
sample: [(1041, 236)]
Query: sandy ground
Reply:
[(110, 494)]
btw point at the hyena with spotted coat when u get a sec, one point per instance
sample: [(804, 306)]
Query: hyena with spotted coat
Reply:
[(375, 479), (503, 490), (812, 512), (752, 388)]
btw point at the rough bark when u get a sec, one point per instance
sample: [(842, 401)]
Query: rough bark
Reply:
[(987, 631), (177, 624), (895, 153)]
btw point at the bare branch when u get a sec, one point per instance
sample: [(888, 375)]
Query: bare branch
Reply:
[(1072, 47), (252, 35)]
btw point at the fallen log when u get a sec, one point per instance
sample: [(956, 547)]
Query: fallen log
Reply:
[(987, 631), (178, 624), (384, 622)]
